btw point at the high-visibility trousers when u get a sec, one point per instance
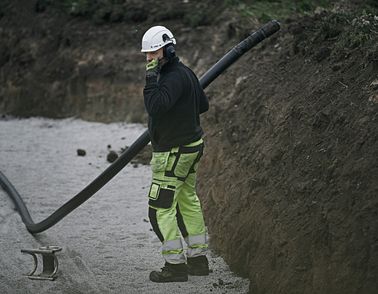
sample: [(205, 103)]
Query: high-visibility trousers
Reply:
[(174, 206)]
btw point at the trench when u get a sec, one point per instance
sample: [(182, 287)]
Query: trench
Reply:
[(107, 243)]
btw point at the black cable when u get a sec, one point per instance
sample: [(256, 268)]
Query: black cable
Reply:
[(264, 32)]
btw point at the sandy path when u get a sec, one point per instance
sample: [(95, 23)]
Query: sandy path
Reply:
[(107, 243)]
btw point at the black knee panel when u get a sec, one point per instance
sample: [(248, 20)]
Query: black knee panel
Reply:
[(154, 223)]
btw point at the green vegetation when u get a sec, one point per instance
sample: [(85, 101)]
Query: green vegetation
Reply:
[(361, 29), (339, 34), (265, 10)]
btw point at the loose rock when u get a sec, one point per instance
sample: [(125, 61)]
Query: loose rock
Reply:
[(112, 156), (81, 152)]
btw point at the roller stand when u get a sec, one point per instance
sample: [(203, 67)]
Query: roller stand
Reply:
[(49, 260)]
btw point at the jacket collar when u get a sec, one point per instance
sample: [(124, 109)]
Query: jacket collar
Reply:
[(171, 63)]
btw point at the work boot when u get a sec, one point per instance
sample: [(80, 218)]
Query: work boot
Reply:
[(170, 273), (198, 266)]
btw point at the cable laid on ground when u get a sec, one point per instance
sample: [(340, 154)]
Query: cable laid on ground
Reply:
[(234, 54)]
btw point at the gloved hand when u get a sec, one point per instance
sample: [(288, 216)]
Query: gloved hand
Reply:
[(152, 68)]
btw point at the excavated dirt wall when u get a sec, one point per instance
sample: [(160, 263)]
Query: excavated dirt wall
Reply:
[(56, 65), (290, 174)]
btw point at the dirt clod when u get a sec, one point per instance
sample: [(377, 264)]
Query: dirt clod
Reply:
[(81, 152), (112, 156)]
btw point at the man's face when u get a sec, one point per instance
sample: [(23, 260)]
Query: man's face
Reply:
[(158, 55)]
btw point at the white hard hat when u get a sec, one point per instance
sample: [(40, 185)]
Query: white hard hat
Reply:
[(156, 38)]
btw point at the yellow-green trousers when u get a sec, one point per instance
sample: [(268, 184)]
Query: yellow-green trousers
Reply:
[(174, 208)]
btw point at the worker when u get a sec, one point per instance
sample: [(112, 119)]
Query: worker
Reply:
[(174, 99)]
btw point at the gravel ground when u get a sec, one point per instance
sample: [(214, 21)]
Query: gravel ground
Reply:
[(107, 243)]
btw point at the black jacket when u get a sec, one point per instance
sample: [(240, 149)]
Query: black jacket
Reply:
[(174, 101)]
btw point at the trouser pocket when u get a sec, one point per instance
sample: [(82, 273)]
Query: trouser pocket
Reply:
[(160, 196), (159, 161)]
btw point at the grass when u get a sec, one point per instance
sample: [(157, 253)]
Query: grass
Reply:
[(265, 10)]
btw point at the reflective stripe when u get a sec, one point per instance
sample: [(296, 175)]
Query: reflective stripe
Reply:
[(173, 251), (175, 258), (194, 252), (197, 245), (172, 246), (177, 251), (193, 241)]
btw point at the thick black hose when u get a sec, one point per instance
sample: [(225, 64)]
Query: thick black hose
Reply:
[(234, 54), (252, 40)]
